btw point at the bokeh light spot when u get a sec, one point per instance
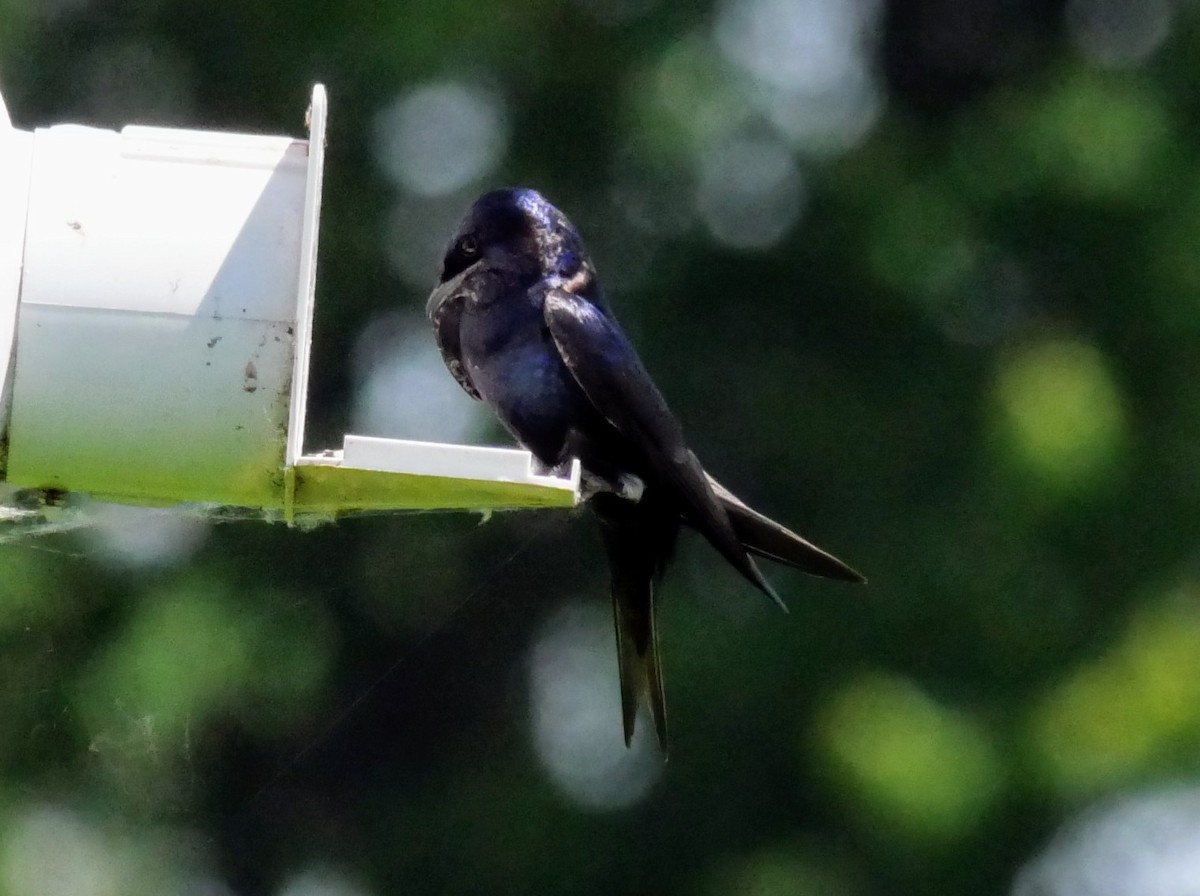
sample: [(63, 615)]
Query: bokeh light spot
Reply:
[(49, 851), (187, 654), (441, 137), (1119, 33), (1097, 138), (1146, 844), (418, 231), (1061, 413), (321, 882), (692, 91), (806, 64), (750, 193), (821, 124), (1121, 715), (577, 713), (803, 44), (927, 770), (183, 654), (127, 536), (404, 388)]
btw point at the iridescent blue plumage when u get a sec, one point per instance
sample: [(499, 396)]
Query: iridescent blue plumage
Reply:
[(522, 325)]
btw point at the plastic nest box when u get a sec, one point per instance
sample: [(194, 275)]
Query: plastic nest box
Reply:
[(156, 306)]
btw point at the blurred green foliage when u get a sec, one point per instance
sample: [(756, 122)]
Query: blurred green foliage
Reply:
[(968, 365)]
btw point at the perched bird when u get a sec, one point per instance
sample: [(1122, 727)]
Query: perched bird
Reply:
[(523, 325)]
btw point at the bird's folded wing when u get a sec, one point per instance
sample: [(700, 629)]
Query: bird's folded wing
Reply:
[(761, 535), (446, 316), (607, 368)]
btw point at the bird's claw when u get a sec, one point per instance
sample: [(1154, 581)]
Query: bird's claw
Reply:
[(626, 486)]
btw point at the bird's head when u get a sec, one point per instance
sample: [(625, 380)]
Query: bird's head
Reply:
[(519, 236)]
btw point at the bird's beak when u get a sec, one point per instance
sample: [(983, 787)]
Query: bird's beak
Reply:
[(445, 291)]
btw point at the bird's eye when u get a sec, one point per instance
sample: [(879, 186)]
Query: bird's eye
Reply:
[(469, 246)]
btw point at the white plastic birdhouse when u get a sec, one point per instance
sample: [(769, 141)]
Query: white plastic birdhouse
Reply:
[(156, 305)]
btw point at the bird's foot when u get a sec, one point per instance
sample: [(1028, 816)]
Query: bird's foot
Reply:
[(626, 486)]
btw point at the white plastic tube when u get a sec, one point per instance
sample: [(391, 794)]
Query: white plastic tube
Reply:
[(16, 157), (157, 313)]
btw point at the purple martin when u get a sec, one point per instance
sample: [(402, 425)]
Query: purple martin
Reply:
[(522, 324)]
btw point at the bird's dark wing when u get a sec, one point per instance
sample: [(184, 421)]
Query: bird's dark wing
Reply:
[(607, 368), (761, 535), (446, 316)]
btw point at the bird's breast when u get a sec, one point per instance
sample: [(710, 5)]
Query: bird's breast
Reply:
[(513, 362)]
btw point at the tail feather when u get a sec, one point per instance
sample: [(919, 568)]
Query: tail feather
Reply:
[(704, 511), (638, 664), (762, 536), (639, 539)]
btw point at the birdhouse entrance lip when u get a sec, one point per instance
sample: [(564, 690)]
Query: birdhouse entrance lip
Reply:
[(441, 459)]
